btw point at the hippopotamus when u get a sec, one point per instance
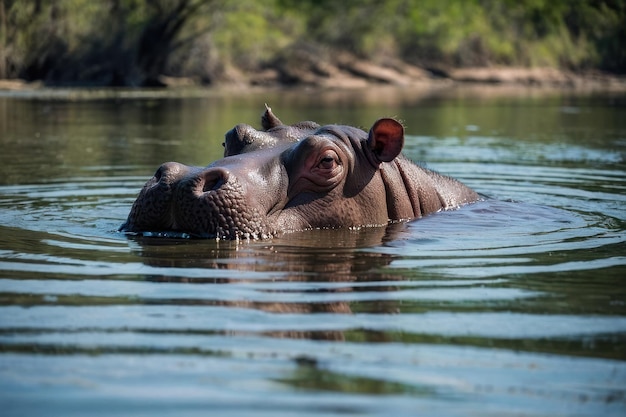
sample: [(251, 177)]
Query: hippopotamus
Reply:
[(287, 178)]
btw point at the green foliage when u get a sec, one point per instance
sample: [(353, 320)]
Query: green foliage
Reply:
[(133, 42), (251, 32), (575, 34)]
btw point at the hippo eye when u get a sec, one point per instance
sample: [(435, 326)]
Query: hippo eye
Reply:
[(328, 160)]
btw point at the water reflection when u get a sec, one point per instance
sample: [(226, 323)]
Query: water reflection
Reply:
[(305, 270), (62, 136)]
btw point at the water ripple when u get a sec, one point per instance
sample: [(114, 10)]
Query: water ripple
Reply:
[(511, 306)]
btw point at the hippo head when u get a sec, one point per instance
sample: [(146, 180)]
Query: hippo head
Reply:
[(282, 178)]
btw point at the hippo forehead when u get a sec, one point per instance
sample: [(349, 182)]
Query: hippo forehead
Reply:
[(244, 138), (345, 140), (348, 137)]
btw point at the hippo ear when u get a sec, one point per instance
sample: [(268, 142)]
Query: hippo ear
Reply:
[(269, 120), (386, 139)]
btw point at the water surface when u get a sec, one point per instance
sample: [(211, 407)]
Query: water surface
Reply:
[(512, 306)]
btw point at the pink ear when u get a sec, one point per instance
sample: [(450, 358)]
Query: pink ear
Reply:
[(386, 139)]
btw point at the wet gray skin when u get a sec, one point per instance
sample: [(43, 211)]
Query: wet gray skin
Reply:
[(294, 177)]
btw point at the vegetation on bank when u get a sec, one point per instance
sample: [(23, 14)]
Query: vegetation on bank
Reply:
[(137, 42)]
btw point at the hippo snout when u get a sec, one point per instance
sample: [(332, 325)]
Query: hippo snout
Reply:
[(214, 203), (210, 180), (203, 202), (194, 180), (152, 209), (170, 172)]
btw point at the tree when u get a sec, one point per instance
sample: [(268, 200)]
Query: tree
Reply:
[(159, 37)]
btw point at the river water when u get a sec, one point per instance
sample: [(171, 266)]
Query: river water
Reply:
[(514, 306)]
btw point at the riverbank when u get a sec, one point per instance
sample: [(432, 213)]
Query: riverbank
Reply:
[(351, 73), (348, 71)]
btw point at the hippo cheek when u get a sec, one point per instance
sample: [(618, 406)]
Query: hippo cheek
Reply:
[(322, 213), (213, 205)]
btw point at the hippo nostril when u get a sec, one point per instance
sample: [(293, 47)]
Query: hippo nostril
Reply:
[(211, 185), (213, 179), (159, 173)]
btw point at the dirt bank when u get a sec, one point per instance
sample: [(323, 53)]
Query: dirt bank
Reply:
[(343, 70)]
